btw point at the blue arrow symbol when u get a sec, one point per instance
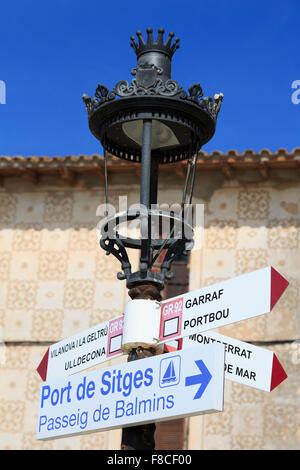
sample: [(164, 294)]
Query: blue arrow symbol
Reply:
[(203, 379)]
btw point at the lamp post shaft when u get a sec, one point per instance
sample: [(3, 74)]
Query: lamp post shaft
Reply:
[(148, 192), (154, 181), (142, 437), (146, 163)]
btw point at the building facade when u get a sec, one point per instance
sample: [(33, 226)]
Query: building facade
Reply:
[(56, 281)]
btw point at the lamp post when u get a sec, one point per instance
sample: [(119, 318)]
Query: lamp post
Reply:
[(152, 121)]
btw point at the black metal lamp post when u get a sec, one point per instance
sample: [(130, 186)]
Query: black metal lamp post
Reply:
[(155, 122)]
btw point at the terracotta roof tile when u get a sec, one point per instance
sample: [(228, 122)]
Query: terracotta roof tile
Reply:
[(232, 153), (216, 160)]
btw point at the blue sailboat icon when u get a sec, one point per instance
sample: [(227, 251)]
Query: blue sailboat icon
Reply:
[(169, 375)]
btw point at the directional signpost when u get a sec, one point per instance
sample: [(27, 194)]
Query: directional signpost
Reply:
[(162, 387), (177, 384)]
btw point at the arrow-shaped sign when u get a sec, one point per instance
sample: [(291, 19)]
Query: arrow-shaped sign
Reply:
[(245, 363), (203, 379), (132, 393), (220, 304), (86, 349)]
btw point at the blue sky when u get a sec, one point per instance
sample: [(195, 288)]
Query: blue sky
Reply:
[(51, 52)]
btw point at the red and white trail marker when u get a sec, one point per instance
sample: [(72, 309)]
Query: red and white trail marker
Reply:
[(220, 304), (244, 363), (83, 350)]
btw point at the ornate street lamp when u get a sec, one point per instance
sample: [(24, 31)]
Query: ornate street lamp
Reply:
[(152, 121)]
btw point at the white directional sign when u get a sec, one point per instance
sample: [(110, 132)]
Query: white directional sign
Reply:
[(217, 305), (162, 387), (244, 363), (83, 350)]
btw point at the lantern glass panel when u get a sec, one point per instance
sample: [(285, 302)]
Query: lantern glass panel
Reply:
[(162, 135)]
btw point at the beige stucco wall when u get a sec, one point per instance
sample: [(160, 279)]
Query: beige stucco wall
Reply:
[(56, 281)]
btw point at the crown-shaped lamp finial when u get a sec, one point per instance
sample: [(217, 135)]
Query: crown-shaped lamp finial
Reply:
[(168, 48)]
